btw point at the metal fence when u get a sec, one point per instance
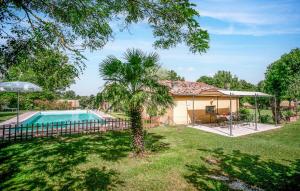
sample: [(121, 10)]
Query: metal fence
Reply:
[(12, 133)]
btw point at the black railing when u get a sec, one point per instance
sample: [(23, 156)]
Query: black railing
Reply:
[(12, 133)]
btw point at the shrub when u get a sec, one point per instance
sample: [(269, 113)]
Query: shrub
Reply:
[(245, 114), (288, 113), (51, 105), (265, 118)]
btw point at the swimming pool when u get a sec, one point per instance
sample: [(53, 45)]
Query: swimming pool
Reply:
[(61, 116)]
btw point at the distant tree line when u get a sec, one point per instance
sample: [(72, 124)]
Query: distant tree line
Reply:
[(226, 80)]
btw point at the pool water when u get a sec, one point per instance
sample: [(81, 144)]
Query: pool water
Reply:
[(61, 117)]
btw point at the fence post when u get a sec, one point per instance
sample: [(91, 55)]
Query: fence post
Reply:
[(52, 127), (16, 132), (42, 130), (78, 125), (21, 132), (100, 123), (94, 125), (70, 127), (9, 132), (3, 137), (61, 125), (37, 130), (32, 131), (74, 124), (87, 126), (47, 131)]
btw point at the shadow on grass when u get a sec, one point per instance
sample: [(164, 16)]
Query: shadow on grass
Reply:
[(221, 171), (52, 164)]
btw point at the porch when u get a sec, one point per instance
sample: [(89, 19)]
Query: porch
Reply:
[(237, 130)]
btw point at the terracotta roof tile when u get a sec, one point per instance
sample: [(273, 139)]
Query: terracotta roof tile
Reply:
[(187, 88)]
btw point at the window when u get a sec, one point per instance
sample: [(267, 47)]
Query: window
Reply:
[(210, 109)]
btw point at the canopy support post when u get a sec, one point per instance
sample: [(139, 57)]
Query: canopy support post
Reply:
[(230, 127), (217, 105), (275, 110), (193, 110), (255, 113), (18, 108)]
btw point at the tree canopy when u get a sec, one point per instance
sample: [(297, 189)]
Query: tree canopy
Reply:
[(282, 75), (48, 68), (165, 74), (76, 25), (225, 80)]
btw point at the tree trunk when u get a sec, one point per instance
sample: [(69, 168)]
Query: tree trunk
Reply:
[(278, 112), (137, 130)]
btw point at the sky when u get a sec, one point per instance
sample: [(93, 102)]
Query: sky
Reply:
[(245, 37)]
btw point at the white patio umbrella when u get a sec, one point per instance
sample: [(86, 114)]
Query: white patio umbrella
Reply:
[(19, 87)]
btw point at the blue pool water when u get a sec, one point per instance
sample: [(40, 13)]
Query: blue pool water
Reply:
[(61, 117)]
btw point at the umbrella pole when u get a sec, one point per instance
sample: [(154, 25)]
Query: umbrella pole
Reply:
[(255, 114), (230, 117), (18, 108)]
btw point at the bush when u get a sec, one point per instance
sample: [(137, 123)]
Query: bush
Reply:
[(51, 105), (288, 113), (245, 114), (265, 118)]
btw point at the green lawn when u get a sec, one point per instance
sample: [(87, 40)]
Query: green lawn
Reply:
[(6, 115), (179, 158), (119, 115)]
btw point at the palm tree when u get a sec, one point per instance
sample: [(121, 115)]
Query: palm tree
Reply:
[(134, 85)]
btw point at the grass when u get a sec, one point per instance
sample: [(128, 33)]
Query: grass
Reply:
[(6, 115), (179, 158), (119, 115)]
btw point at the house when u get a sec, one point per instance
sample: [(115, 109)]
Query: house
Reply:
[(74, 104), (285, 104), (197, 102)]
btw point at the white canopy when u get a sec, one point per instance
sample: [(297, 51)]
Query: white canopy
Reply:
[(244, 93), (18, 86)]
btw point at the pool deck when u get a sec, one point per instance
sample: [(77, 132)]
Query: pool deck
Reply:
[(29, 114), (237, 130), (22, 117), (101, 114)]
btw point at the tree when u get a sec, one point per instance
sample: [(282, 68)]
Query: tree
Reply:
[(135, 86), (225, 80), (280, 75), (207, 79), (48, 68), (165, 74), (88, 102), (70, 94), (76, 25)]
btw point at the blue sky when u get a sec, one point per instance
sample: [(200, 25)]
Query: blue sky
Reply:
[(246, 36)]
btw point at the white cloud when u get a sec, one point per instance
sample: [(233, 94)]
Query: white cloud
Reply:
[(240, 17), (252, 13), (231, 30)]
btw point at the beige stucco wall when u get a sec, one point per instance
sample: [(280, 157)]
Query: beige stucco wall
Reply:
[(182, 112)]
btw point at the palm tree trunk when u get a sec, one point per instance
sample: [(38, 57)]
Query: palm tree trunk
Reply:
[(137, 130)]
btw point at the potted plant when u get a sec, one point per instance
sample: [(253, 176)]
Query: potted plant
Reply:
[(290, 116)]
